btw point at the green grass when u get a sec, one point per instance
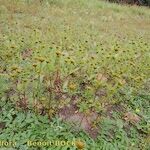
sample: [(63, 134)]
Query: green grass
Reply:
[(88, 51), (23, 127)]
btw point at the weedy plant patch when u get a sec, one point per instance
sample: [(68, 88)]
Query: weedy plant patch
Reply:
[(74, 71)]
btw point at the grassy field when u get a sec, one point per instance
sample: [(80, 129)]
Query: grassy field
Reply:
[(76, 71)]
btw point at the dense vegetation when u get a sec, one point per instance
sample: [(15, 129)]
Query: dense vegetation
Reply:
[(137, 2), (84, 62)]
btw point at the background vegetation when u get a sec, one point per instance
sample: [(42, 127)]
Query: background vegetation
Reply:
[(138, 2), (83, 62)]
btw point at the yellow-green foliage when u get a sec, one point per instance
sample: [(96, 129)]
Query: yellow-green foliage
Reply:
[(102, 45)]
